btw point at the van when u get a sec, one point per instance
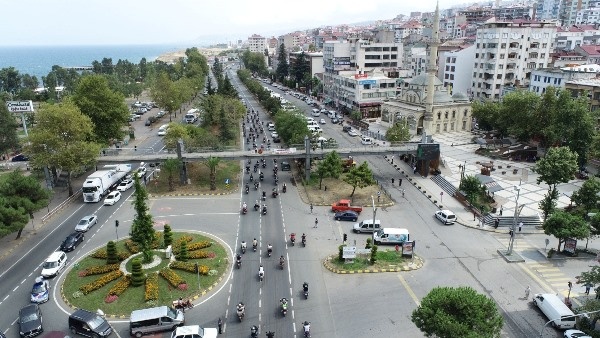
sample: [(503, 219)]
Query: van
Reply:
[(554, 309), (390, 236), (162, 131), (367, 226), (54, 264), (270, 127), (162, 318), (315, 112), (89, 324), (446, 216), (194, 331)]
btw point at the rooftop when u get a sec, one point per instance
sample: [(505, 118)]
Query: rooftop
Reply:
[(585, 82)]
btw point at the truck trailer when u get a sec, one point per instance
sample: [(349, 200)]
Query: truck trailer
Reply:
[(99, 184)]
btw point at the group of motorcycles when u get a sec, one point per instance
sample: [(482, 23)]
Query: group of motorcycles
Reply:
[(293, 239)]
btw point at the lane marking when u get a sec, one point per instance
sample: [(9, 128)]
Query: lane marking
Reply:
[(411, 293)]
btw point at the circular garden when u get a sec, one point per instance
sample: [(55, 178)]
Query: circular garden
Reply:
[(114, 279)]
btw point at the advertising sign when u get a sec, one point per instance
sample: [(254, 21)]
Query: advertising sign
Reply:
[(570, 245), (407, 248), (360, 76), (428, 151), (19, 106), (341, 63), (349, 252), (367, 82)]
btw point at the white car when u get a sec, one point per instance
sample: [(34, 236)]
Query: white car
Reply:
[(446, 216), (366, 140), (54, 264), (194, 331), (112, 198), (141, 171), (576, 334), (352, 132), (322, 121), (274, 134), (125, 185)]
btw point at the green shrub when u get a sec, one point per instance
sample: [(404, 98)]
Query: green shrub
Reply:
[(137, 275), (111, 253), (374, 254), (167, 236), (341, 253)]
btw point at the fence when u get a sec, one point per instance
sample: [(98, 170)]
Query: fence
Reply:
[(59, 207)]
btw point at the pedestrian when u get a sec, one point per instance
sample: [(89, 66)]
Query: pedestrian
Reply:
[(520, 225), (588, 286), (311, 208), (220, 325), (400, 182), (474, 215), (378, 196), (527, 291), (501, 209), (316, 222), (392, 160), (496, 223)]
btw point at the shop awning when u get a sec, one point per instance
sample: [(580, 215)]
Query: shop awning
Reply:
[(489, 183)]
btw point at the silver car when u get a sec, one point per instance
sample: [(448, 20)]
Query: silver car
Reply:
[(86, 223)]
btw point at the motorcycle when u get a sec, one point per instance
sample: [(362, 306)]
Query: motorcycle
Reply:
[(306, 327), (240, 313), (284, 188), (256, 207), (305, 288), (243, 247), (270, 334), (254, 246), (282, 263), (251, 178), (244, 210), (256, 186), (261, 274), (275, 193), (247, 190), (239, 262), (264, 196), (262, 176), (269, 251), (264, 210), (254, 331), (264, 165), (183, 304), (293, 239), (284, 305)]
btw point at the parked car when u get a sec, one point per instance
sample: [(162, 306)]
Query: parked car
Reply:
[(576, 334), (54, 264), (112, 198), (20, 158), (365, 140), (40, 292), (446, 216), (160, 113), (346, 128), (335, 120), (347, 215), (72, 241), (322, 121), (194, 331), (86, 223), (125, 185), (285, 166), (353, 132), (30, 321), (274, 134)]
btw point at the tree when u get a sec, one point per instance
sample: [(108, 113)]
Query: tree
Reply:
[(558, 166), (548, 203), (105, 107), (212, 163), (398, 133), (360, 177), (164, 92), (587, 195), (182, 255), (563, 225), (9, 139), (282, 70), (170, 167), (356, 115), (137, 274), (60, 139), (11, 219), (329, 167), (373, 258), (111, 253), (167, 235), (471, 186), (448, 312), (24, 192), (142, 229)]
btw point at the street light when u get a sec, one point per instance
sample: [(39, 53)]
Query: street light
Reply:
[(374, 211), (514, 224)]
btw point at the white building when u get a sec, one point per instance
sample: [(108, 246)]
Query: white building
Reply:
[(456, 68), (589, 16), (569, 10), (257, 43), (558, 77), (547, 9), (567, 38), (417, 62), (507, 52)]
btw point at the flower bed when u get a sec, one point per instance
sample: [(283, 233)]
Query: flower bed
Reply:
[(199, 245), (100, 282), (131, 246), (98, 270), (120, 287), (172, 277), (101, 254), (201, 254), (189, 267), (151, 292)]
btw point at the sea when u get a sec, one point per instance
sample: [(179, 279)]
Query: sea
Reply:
[(38, 60)]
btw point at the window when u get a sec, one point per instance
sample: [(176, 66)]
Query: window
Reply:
[(446, 115), (465, 113), (452, 68), (454, 114), (445, 126), (448, 59), (464, 125), (447, 68), (451, 76), (502, 56), (503, 45), (452, 126), (453, 60), (446, 76), (439, 116), (437, 128), (499, 76)]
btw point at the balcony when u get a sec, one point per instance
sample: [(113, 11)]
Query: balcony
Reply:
[(490, 66)]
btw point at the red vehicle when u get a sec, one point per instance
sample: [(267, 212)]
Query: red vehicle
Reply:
[(343, 205)]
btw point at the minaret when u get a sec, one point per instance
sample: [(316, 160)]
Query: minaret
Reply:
[(431, 72)]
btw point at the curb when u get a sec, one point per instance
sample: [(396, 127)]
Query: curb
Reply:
[(405, 267)]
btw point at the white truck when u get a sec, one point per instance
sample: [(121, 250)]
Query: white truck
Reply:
[(99, 184), (191, 116)]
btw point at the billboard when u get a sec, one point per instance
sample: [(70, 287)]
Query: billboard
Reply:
[(428, 151), (341, 63), (367, 82), (19, 106)]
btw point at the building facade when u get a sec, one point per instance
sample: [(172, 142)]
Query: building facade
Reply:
[(257, 43), (547, 10), (456, 68), (558, 77), (591, 87)]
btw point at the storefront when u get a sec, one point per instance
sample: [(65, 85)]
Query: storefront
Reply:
[(370, 110)]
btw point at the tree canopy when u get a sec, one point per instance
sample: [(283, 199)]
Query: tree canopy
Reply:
[(359, 177), (9, 139), (142, 229), (563, 225)]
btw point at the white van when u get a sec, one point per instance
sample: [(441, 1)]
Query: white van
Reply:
[(156, 319), (365, 140), (554, 309), (315, 112), (162, 131), (390, 236), (270, 127), (331, 114), (367, 226)]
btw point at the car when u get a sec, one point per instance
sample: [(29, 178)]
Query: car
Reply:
[(347, 215), (346, 128), (353, 132), (86, 223), (194, 331), (30, 321), (40, 292), (576, 334), (335, 120), (365, 140), (112, 198), (72, 241), (160, 113), (322, 121), (285, 166), (125, 185), (446, 216), (20, 158), (54, 264), (141, 171), (274, 134)]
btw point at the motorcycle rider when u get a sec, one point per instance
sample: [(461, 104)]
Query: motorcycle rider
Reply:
[(239, 260), (254, 244), (305, 287), (284, 304), (256, 205), (243, 246), (261, 272), (304, 238), (256, 186), (264, 209), (254, 331), (281, 260), (251, 177), (306, 329), (241, 309), (284, 188), (264, 195), (293, 238), (269, 249), (244, 207)]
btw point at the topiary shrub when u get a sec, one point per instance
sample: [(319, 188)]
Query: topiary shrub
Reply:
[(137, 275), (183, 252), (111, 253), (369, 243), (373, 254), (167, 236), (341, 253)]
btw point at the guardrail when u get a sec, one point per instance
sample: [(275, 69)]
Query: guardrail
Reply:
[(61, 206)]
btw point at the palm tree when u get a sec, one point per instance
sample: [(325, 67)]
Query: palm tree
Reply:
[(170, 168), (212, 164)]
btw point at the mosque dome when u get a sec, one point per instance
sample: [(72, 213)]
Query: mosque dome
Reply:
[(460, 97), (421, 80)]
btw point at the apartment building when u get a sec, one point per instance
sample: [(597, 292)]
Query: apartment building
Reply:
[(547, 9), (512, 12), (588, 16), (567, 38), (456, 68), (507, 52), (563, 58), (591, 53), (591, 87), (569, 10), (558, 77), (257, 43), (315, 61)]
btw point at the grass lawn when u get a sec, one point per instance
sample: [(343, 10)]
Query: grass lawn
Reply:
[(199, 174), (338, 189), (133, 297), (387, 259)]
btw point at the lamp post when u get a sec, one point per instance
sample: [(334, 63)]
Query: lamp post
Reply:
[(374, 211), (514, 224)]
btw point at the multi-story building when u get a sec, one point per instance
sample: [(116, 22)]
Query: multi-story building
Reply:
[(315, 61), (507, 52), (548, 10), (569, 10), (591, 87), (513, 12), (477, 15), (591, 53), (563, 58), (567, 38), (417, 61), (588, 16), (257, 43), (456, 68), (558, 77)]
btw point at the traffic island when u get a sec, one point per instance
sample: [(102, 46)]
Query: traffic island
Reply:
[(407, 264), (513, 257)]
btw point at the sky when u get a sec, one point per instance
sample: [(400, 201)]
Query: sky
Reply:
[(127, 22)]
